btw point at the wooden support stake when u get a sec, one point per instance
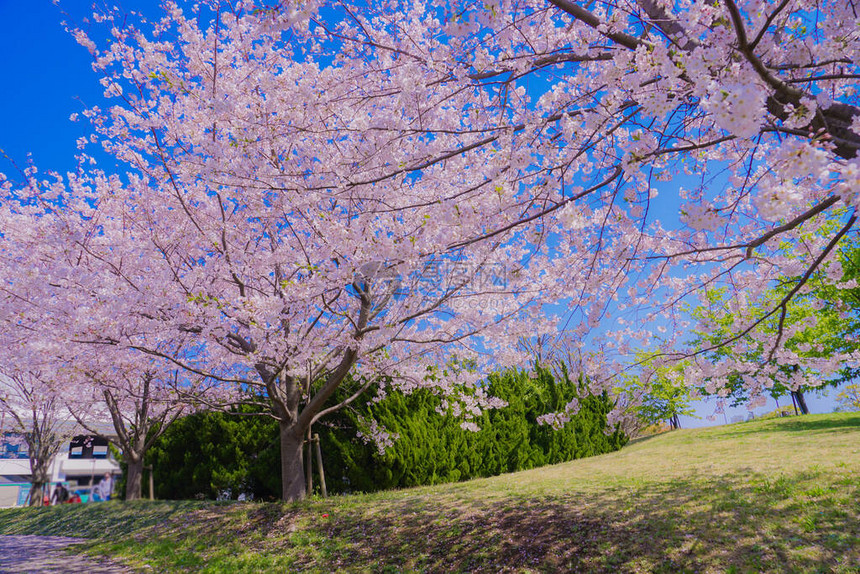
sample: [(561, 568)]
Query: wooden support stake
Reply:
[(309, 473), (309, 469), (151, 483), (320, 466)]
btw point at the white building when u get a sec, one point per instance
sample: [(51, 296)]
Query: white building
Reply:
[(81, 463)]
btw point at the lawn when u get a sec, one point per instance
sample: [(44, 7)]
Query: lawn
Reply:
[(778, 495)]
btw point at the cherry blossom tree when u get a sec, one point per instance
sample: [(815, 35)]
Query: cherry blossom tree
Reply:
[(295, 174), (61, 312), (40, 419), (32, 386), (279, 280), (141, 405), (33, 408), (749, 108)]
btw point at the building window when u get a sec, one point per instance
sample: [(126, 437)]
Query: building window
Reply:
[(88, 446)]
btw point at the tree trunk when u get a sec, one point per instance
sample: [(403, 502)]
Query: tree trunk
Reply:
[(36, 494), (801, 402), (134, 478), (285, 395), (292, 469), (38, 481)]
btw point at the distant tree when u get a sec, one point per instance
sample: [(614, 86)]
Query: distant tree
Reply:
[(816, 331), (849, 397), (657, 394), (33, 387), (39, 417), (844, 299), (140, 404)]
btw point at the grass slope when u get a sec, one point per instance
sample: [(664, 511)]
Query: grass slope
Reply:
[(777, 496)]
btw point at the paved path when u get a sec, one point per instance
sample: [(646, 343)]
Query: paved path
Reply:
[(44, 554)]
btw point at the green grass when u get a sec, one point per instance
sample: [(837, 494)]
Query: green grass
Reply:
[(777, 496)]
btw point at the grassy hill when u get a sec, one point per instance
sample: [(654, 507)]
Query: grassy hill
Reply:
[(781, 495)]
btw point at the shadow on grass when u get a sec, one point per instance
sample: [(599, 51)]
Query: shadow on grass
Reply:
[(643, 439), (683, 526), (806, 522), (91, 520), (804, 423), (792, 424)]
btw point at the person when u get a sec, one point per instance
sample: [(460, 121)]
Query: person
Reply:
[(104, 487), (61, 495)]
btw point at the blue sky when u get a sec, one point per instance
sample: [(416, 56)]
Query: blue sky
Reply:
[(46, 76), (43, 72)]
